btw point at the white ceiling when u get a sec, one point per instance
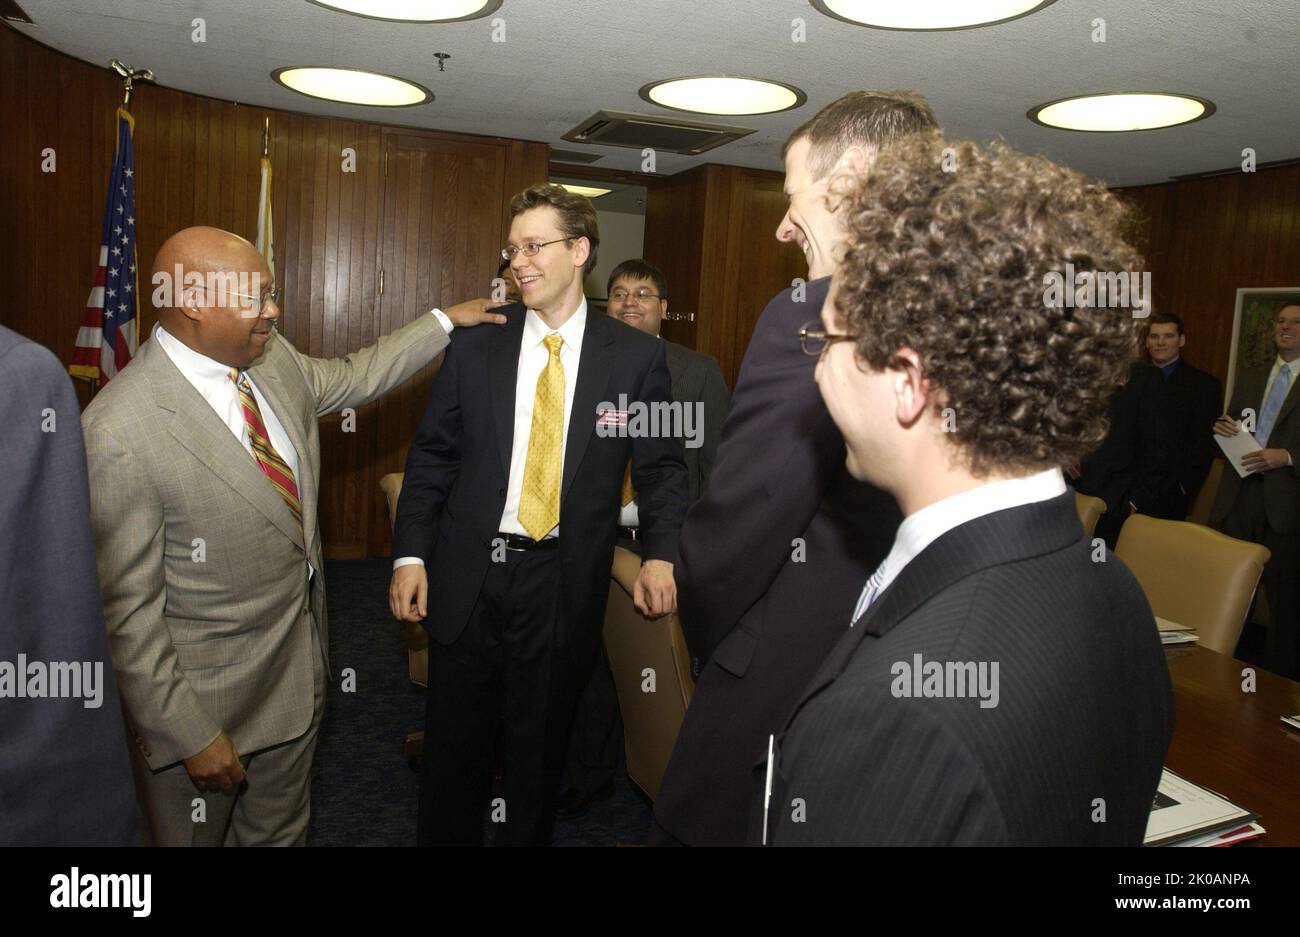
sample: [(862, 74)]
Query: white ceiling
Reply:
[(565, 59)]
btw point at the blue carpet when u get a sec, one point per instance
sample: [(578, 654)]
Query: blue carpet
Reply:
[(364, 792)]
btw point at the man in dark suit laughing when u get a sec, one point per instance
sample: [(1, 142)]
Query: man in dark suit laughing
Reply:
[(505, 527), (997, 682)]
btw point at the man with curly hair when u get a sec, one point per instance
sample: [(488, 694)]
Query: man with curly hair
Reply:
[(999, 682)]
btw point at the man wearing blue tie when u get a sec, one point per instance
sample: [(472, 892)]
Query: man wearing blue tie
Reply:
[(1264, 507)]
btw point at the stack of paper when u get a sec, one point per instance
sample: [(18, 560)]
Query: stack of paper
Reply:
[(1173, 633), (1187, 815)]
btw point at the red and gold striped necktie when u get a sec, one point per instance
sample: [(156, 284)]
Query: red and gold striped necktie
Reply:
[(273, 467)]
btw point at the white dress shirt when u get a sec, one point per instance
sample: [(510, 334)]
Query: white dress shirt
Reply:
[(927, 525), (532, 361), (212, 380)]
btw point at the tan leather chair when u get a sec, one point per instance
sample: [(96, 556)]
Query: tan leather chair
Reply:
[(633, 644), (1204, 500), (1193, 575), (1090, 511), (417, 642)]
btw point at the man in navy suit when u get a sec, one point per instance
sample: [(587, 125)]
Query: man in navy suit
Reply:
[(506, 524), (998, 683), (774, 550)]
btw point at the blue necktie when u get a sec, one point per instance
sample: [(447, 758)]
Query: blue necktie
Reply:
[(1268, 413), (869, 593)]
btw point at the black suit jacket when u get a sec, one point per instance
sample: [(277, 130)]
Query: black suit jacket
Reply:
[(1195, 400), (696, 378), (773, 559), (458, 466), (65, 777), (1282, 485), (1084, 705), (1133, 461)]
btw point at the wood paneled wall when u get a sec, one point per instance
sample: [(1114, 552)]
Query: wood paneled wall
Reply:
[(1205, 238), (197, 163), (712, 230)]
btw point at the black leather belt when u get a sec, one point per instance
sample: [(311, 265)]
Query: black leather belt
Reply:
[(630, 533), (516, 542)]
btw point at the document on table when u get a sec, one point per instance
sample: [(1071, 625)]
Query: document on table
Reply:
[(1183, 810), (1237, 447)]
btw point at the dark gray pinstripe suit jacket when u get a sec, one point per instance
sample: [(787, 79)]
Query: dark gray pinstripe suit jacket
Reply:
[(1085, 709)]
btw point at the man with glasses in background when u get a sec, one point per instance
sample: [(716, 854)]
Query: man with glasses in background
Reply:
[(1264, 507), (505, 530), (638, 296), (204, 464)]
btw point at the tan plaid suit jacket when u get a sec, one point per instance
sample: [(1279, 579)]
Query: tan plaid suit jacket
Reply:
[(201, 565)]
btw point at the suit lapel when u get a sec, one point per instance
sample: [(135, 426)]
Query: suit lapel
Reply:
[(594, 364), (1292, 398), (503, 375), (196, 426), (1001, 537)]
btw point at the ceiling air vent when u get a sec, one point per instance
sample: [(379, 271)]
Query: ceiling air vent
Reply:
[(10, 10), (573, 156), (666, 134)]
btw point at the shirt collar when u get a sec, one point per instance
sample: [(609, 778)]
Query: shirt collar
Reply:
[(1168, 367), (571, 331), (927, 525), (195, 366)]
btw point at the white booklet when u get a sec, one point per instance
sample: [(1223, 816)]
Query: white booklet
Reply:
[(1183, 810), (1237, 447)]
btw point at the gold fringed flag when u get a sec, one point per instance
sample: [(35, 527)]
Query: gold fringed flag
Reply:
[(265, 234)]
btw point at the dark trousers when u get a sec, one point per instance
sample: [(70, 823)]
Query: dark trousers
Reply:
[(597, 732), (597, 724), (1172, 505), (1248, 520), (505, 666)]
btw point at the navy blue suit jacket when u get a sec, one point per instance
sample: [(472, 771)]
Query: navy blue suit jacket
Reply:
[(458, 466)]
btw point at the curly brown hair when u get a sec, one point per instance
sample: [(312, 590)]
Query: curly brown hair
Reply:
[(947, 252)]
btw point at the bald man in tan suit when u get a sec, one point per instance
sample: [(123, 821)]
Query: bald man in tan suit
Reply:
[(204, 471)]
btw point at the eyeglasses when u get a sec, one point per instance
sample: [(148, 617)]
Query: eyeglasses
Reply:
[(640, 296), (814, 339), (270, 296), (528, 250)]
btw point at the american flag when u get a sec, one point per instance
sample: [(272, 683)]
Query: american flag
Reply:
[(109, 329)]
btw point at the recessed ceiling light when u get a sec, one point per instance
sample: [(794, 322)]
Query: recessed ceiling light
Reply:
[(1121, 111), (928, 14), (352, 86), (588, 190), (719, 94), (413, 11)]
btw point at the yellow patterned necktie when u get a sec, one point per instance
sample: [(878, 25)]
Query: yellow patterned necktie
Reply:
[(539, 502)]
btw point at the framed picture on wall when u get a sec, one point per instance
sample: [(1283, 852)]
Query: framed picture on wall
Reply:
[(1252, 330)]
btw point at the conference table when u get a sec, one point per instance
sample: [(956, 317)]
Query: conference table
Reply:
[(1234, 742)]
